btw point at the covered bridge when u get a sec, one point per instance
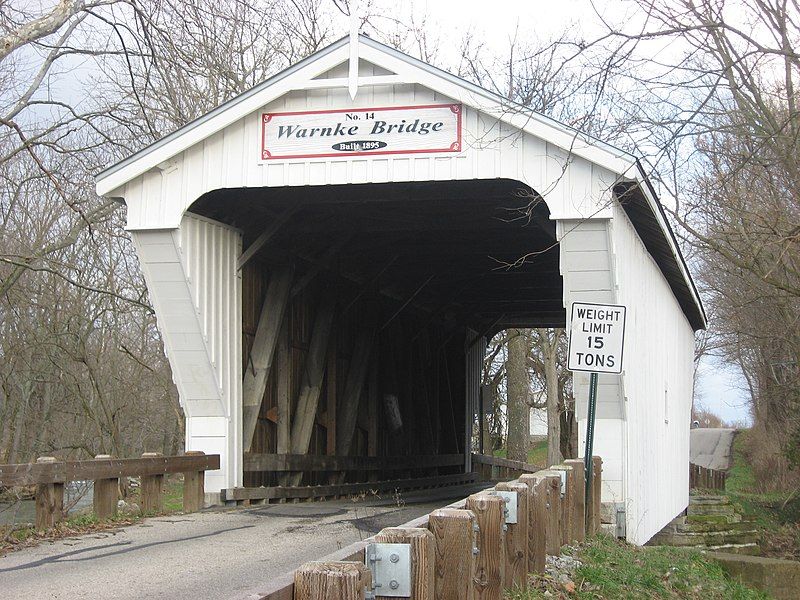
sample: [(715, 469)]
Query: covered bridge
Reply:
[(328, 253)]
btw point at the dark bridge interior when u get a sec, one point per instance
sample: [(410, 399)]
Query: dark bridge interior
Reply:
[(417, 274)]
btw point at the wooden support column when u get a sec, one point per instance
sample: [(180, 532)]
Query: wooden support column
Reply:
[(372, 402), (194, 490), (331, 397), (311, 385), (488, 582), (356, 375), (106, 494), (537, 521), (455, 535), (422, 558), (553, 503), (578, 489), (49, 500), (331, 581), (283, 395), (516, 566), (260, 362), (152, 487)]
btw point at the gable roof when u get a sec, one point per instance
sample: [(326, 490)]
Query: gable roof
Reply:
[(664, 249)]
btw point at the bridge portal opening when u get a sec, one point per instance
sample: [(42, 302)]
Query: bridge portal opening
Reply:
[(365, 314)]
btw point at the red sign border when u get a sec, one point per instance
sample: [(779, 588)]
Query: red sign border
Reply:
[(267, 117)]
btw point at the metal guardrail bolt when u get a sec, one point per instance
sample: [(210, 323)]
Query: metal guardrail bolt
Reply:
[(476, 528), (475, 551), (394, 558), (393, 584)]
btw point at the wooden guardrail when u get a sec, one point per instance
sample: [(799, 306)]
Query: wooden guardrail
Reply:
[(494, 467), (49, 476), (701, 478), (320, 463), (464, 550)]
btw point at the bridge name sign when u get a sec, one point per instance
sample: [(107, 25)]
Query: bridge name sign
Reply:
[(429, 128), (596, 338)]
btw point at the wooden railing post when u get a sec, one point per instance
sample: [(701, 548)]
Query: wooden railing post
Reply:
[(537, 521), (516, 566), (565, 520), (553, 506), (454, 533), (106, 492), (488, 582), (331, 581), (152, 488), (578, 489), (49, 500), (593, 512), (422, 558), (194, 490)]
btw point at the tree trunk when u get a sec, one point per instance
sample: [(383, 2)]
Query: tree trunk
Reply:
[(518, 387), (550, 357)]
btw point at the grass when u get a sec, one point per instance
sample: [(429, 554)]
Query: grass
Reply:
[(612, 569), (777, 515), (537, 453)]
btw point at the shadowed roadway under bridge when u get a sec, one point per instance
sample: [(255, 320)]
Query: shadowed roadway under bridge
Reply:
[(220, 553)]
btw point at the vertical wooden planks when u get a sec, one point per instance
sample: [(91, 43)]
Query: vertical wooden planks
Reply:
[(106, 492), (516, 542), (49, 500), (422, 558), (454, 533), (566, 503), (194, 487), (331, 581), (152, 487), (578, 500), (488, 582), (553, 504)]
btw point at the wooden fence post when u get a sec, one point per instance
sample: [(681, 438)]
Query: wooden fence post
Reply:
[(49, 500), (537, 521), (422, 558), (454, 533), (516, 566), (194, 490), (553, 506), (597, 488), (566, 503), (331, 581), (488, 580), (106, 492), (152, 487), (578, 498)]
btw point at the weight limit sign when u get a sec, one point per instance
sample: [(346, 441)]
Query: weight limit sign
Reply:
[(597, 336)]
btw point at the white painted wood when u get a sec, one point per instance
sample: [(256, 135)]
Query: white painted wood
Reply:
[(195, 290), (659, 355)]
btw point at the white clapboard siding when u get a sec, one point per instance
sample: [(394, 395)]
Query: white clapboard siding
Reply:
[(196, 293), (587, 268), (657, 379)]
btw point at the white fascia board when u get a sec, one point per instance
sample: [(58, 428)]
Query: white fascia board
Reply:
[(110, 181)]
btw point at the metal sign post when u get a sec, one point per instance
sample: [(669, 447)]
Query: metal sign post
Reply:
[(596, 342)]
